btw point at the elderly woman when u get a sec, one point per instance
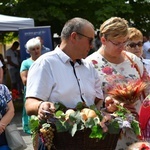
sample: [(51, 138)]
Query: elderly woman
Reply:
[(6, 114), (135, 42), (33, 47), (116, 65), (135, 46)]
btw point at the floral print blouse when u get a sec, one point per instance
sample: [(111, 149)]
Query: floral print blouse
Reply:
[(5, 97), (111, 73)]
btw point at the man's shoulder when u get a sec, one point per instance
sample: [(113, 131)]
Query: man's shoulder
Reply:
[(45, 48)]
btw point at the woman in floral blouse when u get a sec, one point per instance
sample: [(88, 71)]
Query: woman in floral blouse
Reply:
[(115, 65), (6, 114)]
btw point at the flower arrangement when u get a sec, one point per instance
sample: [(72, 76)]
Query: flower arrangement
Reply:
[(81, 118), (123, 118), (128, 92), (67, 120)]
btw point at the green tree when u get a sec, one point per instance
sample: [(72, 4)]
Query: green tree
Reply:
[(56, 13)]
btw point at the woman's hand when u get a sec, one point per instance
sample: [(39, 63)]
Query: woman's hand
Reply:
[(45, 109), (111, 104), (105, 119), (2, 127)]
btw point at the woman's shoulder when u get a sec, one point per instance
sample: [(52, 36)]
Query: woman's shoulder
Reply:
[(133, 57), (135, 60), (92, 56), (3, 88)]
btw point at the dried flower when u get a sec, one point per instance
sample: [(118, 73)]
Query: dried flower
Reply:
[(127, 92)]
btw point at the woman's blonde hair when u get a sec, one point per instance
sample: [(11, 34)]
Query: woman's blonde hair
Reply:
[(134, 34), (115, 27)]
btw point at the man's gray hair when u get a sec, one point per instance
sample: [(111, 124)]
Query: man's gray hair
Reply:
[(74, 25)]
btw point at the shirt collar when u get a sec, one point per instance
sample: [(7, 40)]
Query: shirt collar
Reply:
[(65, 58)]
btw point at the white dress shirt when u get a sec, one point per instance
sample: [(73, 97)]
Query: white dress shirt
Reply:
[(51, 78)]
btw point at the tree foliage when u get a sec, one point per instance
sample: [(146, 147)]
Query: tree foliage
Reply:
[(56, 12)]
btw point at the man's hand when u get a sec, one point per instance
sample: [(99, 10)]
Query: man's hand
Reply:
[(45, 109)]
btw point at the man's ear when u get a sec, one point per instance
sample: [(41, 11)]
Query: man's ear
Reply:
[(73, 36)]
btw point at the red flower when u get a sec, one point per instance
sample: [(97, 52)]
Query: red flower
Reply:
[(94, 62), (15, 94), (144, 147), (146, 102), (107, 70)]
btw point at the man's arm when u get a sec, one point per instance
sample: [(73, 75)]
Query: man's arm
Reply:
[(32, 105), (38, 107)]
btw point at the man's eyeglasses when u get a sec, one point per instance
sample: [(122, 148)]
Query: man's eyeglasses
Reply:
[(118, 44), (90, 39), (133, 45)]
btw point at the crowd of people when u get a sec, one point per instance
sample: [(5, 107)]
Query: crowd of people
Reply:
[(70, 74)]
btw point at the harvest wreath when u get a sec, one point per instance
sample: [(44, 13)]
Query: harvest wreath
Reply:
[(81, 118)]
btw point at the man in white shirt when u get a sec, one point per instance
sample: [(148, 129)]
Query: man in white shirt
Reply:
[(55, 77), (63, 75)]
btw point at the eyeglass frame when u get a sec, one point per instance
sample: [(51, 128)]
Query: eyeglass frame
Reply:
[(90, 39), (118, 44)]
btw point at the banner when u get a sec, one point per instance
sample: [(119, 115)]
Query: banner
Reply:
[(27, 33)]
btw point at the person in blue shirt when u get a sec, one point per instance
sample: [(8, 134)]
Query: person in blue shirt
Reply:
[(43, 48)]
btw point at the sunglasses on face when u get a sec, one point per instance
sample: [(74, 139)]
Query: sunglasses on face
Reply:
[(133, 45), (89, 38)]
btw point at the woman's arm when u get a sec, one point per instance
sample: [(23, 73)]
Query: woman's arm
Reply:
[(7, 117), (1, 75), (23, 76)]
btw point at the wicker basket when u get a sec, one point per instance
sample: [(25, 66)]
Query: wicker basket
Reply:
[(81, 141)]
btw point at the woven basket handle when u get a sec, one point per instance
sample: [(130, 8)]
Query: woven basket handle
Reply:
[(137, 69)]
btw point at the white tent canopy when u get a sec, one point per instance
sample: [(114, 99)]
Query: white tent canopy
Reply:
[(11, 23)]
